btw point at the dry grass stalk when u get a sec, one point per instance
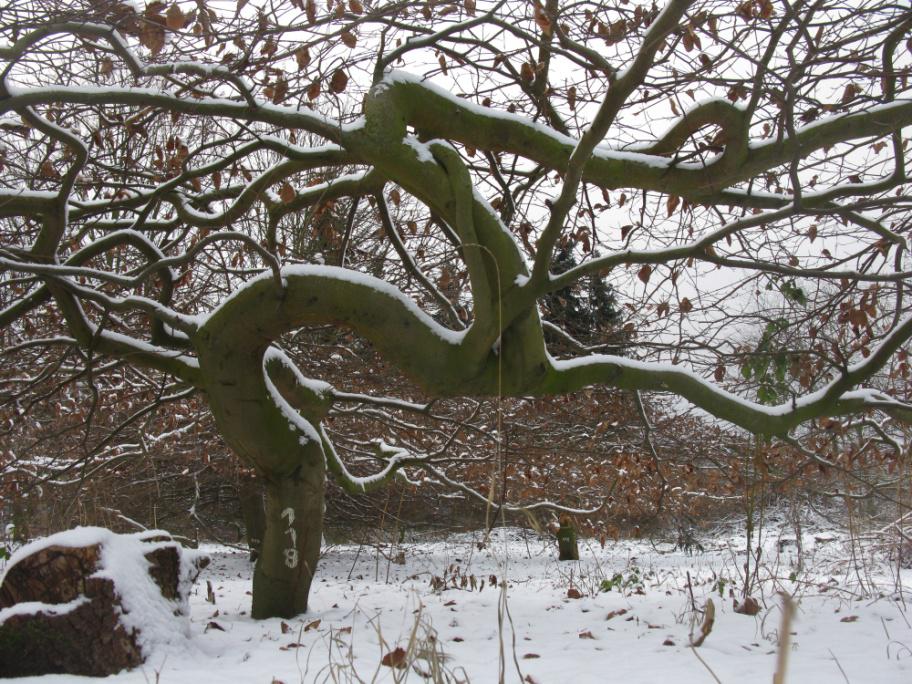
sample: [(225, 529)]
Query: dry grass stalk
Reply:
[(709, 618), (785, 631)]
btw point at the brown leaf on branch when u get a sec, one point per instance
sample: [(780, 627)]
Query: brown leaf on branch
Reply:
[(174, 18), (47, 170), (152, 33), (302, 56), (644, 273), (339, 81), (851, 90), (527, 72), (349, 39), (287, 193), (541, 18), (280, 90)]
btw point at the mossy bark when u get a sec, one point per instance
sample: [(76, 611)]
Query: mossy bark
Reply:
[(566, 542), (271, 423), (291, 544), (253, 511)]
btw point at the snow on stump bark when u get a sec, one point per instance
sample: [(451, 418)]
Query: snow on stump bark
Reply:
[(93, 602)]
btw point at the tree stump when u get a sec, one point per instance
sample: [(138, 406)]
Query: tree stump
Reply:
[(70, 604), (566, 540)]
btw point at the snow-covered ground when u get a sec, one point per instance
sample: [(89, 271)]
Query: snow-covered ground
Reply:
[(852, 620)]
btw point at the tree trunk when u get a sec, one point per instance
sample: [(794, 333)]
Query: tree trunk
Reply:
[(291, 543), (251, 495)]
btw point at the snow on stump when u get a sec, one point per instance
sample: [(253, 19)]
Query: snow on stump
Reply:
[(93, 602)]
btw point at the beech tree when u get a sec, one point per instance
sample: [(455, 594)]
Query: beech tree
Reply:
[(187, 184)]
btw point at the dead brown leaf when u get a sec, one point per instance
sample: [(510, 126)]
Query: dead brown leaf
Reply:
[(748, 606), (644, 273), (287, 193), (395, 658), (339, 81)]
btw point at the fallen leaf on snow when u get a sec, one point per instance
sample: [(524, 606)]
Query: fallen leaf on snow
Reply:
[(748, 606), (395, 658)]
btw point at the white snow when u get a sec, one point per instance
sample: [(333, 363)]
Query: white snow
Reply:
[(362, 590), (37, 607), (296, 422), (422, 150), (318, 387)]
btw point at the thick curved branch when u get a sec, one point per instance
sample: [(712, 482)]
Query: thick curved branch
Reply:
[(436, 113), (623, 373)]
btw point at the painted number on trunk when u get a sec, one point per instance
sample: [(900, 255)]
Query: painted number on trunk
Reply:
[(291, 553)]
